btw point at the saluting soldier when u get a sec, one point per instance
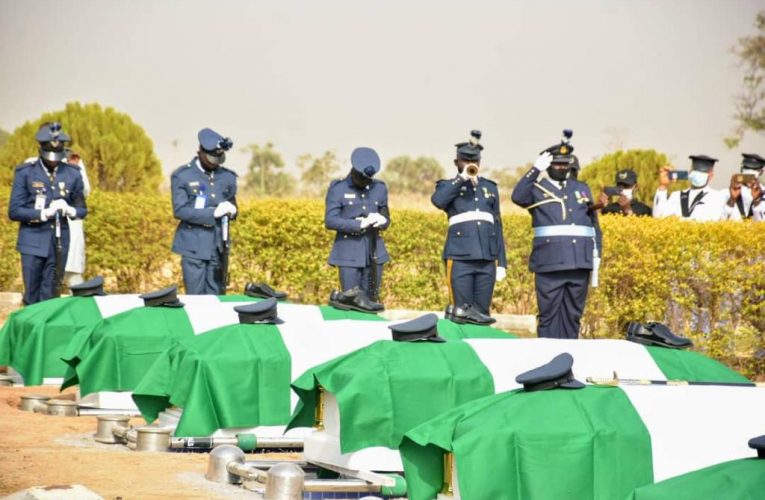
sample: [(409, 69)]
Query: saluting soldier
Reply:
[(46, 193), (567, 240), (204, 192), (474, 251), (700, 202), (356, 207)]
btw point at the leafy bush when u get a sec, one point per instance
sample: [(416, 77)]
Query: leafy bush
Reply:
[(706, 280)]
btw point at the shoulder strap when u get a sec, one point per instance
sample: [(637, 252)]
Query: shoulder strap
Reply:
[(684, 203)]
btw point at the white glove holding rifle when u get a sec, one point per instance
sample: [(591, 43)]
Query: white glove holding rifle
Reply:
[(378, 219), (224, 208), (64, 207)]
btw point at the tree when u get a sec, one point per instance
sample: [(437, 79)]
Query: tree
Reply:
[(645, 162), (3, 137), (118, 154), (750, 105), (263, 176), (317, 172), (406, 175), (507, 178)]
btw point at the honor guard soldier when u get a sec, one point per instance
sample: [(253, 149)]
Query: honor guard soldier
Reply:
[(474, 251), (204, 198), (748, 202), (700, 202), (356, 208), (567, 240), (46, 193)]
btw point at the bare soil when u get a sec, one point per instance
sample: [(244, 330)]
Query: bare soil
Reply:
[(43, 450)]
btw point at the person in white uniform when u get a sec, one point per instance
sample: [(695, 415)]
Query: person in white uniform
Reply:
[(700, 202), (75, 261), (749, 202)]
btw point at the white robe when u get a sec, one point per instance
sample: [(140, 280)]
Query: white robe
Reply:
[(712, 207)]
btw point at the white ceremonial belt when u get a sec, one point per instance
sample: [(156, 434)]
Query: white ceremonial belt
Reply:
[(471, 216), (564, 230)]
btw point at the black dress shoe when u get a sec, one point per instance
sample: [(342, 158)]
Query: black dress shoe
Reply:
[(468, 314), (263, 290), (657, 334), (354, 299), (449, 311)]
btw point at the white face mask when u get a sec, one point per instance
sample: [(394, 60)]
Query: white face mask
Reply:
[(698, 179), (749, 171), (627, 193)]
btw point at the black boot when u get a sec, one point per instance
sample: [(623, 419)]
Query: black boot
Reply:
[(354, 299), (468, 314)]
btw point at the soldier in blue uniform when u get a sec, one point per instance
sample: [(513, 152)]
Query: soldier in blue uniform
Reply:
[(204, 198), (357, 208), (46, 193), (567, 240), (475, 247)]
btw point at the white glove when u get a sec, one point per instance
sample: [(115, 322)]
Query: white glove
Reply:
[(66, 209), (227, 207), (464, 176), (221, 210), (378, 219), (47, 213), (231, 208), (501, 274), (544, 161), (366, 221)]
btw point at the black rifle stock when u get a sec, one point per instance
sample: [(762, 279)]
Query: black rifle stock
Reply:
[(374, 278)]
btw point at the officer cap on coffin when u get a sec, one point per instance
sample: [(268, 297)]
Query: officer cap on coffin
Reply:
[(94, 286), (263, 290), (752, 161), (258, 312), (758, 443), (626, 177), (471, 150), (658, 334), (702, 163), (556, 373), (167, 297), (419, 329), (365, 161)]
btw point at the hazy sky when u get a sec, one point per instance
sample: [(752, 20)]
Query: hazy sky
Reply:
[(404, 77)]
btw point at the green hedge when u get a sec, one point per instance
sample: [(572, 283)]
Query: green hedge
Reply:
[(705, 280)]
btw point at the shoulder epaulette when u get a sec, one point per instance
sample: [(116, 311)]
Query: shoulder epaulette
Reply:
[(180, 169), (489, 180), (229, 171), (25, 165)]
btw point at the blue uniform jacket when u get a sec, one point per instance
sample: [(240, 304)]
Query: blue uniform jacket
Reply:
[(345, 203), (559, 207), (472, 239), (198, 234), (31, 179)]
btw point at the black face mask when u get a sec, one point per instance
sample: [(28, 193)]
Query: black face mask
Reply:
[(557, 174), (360, 180)]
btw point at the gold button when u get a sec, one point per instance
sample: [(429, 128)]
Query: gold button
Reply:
[(565, 197), (476, 199), (363, 195)]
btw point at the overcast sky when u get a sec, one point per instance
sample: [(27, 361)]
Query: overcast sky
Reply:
[(404, 77)]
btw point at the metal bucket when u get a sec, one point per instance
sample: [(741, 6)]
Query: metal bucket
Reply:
[(152, 438), (106, 425), (61, 408), (30, 401), (6, 381)]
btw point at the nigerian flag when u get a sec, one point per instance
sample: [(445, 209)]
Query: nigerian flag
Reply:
[(34, 338), (597, 442), (229, 378)]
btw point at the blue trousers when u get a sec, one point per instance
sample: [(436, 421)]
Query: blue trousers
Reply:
[(471, 282), (202, 277), (561, 296), (359, 276), (39, 274)]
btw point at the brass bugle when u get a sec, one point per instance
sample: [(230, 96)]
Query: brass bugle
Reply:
[(471, 169)]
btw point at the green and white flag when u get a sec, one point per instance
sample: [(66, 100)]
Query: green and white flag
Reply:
[(214, 391), (593, 443)]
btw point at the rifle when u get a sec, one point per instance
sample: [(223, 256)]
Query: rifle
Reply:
[(374, 278), (226, 251), (59, 256)]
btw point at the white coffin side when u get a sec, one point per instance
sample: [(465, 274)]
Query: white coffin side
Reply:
[(18, 379), (324, 446), (108, 400)]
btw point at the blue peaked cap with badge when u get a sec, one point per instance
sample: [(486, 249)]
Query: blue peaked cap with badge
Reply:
[(556, 373), (212, 141), (52, 138), (470, 150), (365, 161)]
